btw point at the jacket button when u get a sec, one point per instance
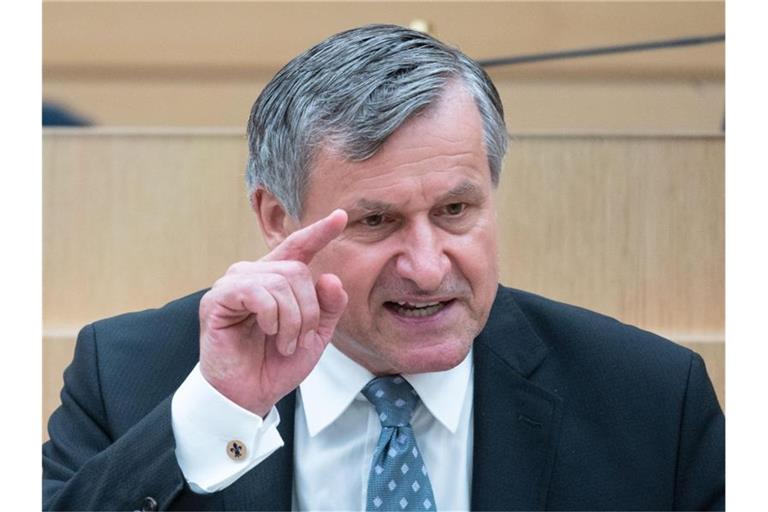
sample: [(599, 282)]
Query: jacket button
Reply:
[(149, 504)]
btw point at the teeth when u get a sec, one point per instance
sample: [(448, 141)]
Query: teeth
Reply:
[(417, 304), (418, 310)]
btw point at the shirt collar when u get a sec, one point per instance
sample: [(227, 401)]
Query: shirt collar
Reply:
[(443, 392), (336, 380)]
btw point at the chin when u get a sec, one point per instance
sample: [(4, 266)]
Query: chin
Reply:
[(435, 358), (390, 353)]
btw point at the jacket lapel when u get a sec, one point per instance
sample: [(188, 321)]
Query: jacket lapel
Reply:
[(516, 423), (268, 486)]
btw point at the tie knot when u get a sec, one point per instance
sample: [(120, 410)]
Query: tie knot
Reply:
[(393, 398)]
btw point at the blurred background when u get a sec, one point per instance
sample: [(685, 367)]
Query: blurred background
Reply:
[(612, 194)]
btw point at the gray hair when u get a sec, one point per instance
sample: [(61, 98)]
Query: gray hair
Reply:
[(351, 92)]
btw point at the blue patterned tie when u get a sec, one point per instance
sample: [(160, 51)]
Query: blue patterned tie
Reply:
[(398, 479)]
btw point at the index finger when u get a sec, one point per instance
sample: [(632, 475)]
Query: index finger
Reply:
[(302, 245)]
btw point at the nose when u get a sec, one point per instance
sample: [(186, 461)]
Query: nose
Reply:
[(422, 259)]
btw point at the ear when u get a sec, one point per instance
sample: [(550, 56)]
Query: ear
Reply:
[(274, 220)]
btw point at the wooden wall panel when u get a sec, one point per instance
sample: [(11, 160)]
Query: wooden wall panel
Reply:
[(630, 226), (238, 37), (57, 354), (531, 106), (133, 219), (203, 63)]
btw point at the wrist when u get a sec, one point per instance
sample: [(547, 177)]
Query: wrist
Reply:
[(240, 395)]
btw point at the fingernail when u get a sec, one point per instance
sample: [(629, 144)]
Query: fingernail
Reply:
[(309, 336), (291, 347)]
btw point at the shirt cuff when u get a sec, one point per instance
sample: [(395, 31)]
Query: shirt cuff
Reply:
[(204, 422)]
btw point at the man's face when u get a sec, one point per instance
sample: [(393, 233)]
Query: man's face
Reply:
[(418, 256)]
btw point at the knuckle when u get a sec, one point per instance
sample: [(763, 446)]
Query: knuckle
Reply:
[(210, 300), (217, 286), (280, 283), (207, 295), (237, 267), (241, 296), (204, 306), (296, 269)]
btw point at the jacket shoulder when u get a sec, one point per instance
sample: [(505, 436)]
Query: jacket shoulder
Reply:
[(635, 410), (143, 357), (572, 328), (599, 355), (181, 311)]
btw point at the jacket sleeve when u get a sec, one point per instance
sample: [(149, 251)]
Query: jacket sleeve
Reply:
[(84, 468), (700, 475)]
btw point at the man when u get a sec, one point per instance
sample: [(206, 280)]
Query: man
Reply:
[(370, 360)]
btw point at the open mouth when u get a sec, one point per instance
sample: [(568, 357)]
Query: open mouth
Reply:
[(416, 309)]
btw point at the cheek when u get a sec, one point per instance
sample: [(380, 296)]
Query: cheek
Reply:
[(478, 261), (358, 267)]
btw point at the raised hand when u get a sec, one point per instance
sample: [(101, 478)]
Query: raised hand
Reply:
[(264, 324)]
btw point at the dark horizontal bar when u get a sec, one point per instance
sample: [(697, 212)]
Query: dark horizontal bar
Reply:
[(603, 50)]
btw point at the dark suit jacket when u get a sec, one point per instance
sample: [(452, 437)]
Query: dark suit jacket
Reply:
[(572, 411)]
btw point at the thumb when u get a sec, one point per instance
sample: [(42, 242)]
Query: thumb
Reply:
[(332, 299)]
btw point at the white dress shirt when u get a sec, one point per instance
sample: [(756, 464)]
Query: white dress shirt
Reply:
[(335, 432)]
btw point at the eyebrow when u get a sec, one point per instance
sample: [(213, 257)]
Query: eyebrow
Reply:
[(463, 190), (373, 205)]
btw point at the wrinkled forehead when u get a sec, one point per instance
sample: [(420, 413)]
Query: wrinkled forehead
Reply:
[(440, 152)]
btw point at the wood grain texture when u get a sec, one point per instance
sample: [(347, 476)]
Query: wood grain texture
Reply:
[(57, 354), (131, 221), (204, 63), (531, 106), (99, 38), (632, 227)]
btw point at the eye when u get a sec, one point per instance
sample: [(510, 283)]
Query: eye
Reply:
[(373, 221), (455, 208)]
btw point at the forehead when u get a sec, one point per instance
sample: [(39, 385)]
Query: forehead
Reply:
[(439, 152)]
